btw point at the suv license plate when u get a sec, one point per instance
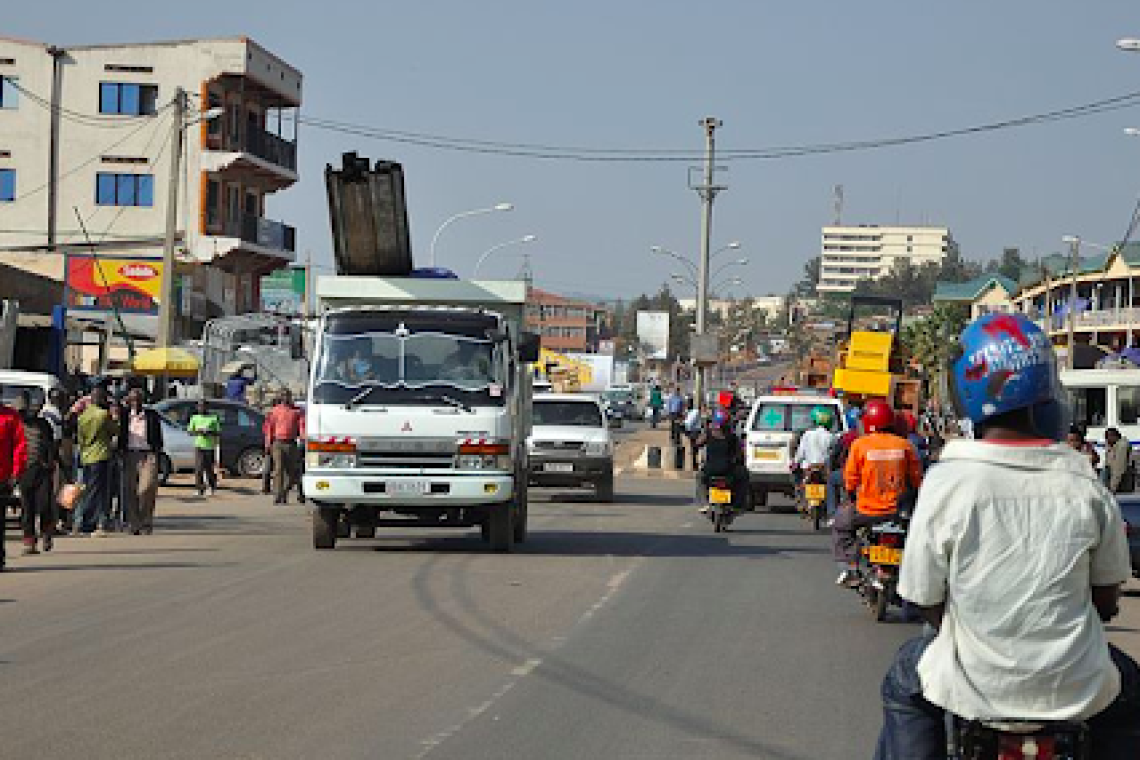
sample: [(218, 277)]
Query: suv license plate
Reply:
[(558, 467), (407, 487)]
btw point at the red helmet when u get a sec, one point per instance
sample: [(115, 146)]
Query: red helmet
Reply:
[(877, 415)]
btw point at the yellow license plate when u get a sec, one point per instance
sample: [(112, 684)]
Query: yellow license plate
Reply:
[(765, 454), (720, 496), (885, 555), (815, 491)]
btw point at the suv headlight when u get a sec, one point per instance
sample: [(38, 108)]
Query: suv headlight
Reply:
[(597, 448)]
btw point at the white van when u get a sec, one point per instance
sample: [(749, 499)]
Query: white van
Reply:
[(774, 426), (1104, 398), (13, 382)]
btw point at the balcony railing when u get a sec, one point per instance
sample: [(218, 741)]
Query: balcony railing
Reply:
[(1105, 318), (274, 149), (259, 231)]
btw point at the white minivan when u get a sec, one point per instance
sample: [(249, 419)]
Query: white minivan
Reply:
[(773, 428), (1104, 398), (13, 382)]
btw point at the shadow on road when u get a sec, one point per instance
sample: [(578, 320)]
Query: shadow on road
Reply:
[(118, 566)]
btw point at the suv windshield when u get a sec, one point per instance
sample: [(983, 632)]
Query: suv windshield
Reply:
[(572, 413), (777, 417), (406, 365), (10, 393)]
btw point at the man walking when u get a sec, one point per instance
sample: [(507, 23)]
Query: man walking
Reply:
[(13, 459), (284, 425), (37, 484), (207, 430), (96, 434), (140, 446), (675, 408)]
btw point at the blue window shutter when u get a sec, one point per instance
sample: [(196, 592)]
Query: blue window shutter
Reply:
[(129, 99), (126, 189), (146, 190), (108, 98), (7, 184), (105, 189)]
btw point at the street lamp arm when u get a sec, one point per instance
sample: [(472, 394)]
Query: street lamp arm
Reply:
[(462, 215), (674, 255), (500, 246)]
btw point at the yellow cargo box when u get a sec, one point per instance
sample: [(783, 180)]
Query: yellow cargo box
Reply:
[(869, 351), (863, 382)]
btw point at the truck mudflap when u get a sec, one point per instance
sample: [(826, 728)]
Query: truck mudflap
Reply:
[(405, 491)]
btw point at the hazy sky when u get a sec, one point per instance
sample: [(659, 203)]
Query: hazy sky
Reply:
[(607, 73)]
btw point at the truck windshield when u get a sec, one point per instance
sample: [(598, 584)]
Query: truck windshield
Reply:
[(408, 367)]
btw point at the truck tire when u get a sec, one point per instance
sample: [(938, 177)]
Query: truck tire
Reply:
[(605, 489), (325, 520), (500, 527), (521, 510)]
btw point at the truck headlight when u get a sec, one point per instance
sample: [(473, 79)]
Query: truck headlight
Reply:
[(330, 451), (597, 448)]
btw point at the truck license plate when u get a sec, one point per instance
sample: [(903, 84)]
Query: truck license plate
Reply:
[(558, 467), (407, 487)]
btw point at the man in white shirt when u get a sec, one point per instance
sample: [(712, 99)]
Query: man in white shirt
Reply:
[(816, 444), (1015, 555)]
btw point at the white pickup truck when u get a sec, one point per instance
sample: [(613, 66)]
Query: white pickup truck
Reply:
[(419, 408)]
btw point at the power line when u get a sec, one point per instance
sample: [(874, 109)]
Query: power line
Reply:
[(627, 155), (99, 121)]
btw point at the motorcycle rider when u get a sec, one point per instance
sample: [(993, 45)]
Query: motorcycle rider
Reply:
[(724, 457), (816, 444), (1015, 556), (880, 469)]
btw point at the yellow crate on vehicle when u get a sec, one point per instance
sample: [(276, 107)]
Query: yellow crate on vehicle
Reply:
[(869, 351), (863, 382)]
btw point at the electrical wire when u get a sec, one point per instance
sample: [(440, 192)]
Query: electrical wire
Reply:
[(99, 121)]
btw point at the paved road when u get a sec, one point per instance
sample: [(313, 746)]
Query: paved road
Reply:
[(622, 631)]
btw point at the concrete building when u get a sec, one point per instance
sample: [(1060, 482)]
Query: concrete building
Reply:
[(111, 109), (867, 252), (565, 324), (772, 306)]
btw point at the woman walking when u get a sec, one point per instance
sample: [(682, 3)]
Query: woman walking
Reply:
[(140, 446)]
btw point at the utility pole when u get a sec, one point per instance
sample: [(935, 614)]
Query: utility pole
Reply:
[(1074, 265), (308, 283), (707, 191), (166, 295)]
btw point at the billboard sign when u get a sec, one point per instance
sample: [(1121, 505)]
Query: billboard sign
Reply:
[(101, 283), (283, 291), (653, 332)]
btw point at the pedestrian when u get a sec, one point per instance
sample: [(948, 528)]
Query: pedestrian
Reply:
[(694, 426), (1118, 474), (140, 447), (1078, 441), (13, 460), (37, 483), (96, 435), (656, 403), (236, 385), (675, 409), (206, 427), (284, 426)]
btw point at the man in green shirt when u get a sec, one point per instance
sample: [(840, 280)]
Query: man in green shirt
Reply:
[(207, 430), (96, 430)]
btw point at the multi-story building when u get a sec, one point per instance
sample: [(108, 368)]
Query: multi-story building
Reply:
[(868, 252), (565, 324), (86, 133)]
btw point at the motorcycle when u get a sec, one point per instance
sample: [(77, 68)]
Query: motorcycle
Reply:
[(880, 552), (1017, 740), (813, 503), (721, 511)]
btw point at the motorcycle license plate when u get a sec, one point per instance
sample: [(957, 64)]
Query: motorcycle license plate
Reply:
[(720, 496), (815, 491), (885, 555)]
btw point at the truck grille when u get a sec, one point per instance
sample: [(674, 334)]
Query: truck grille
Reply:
[(402, 459)]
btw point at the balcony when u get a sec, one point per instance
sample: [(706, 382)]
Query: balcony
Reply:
[(276, 150), (247, 241), (268, 157)]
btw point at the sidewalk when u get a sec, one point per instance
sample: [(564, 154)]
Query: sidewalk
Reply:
[(631, 455)]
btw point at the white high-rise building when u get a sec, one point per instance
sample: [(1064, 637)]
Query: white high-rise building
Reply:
[(110, 110), (867, 252)]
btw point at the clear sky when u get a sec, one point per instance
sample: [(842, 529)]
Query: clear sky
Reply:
[(640, 74)]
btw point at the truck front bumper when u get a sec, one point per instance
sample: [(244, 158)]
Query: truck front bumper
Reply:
[(429, 491)]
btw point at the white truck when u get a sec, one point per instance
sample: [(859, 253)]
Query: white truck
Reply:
[(419, 408)]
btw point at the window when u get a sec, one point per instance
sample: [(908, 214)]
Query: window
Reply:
[(1128, 404), (124, 189), (128, 99), (7, 185), (1090, 406), (9, 95)]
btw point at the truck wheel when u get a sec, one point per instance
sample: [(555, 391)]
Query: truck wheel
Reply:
[(325, 520), (605, 489), (500, 527), (520, 518)]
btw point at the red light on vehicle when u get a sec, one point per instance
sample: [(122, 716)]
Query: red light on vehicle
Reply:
[(1013, 747), (890, 539)]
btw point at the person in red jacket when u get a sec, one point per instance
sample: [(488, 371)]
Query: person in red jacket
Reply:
[(13, 460)]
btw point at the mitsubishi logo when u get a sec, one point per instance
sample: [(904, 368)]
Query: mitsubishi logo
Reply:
[(407, 428)]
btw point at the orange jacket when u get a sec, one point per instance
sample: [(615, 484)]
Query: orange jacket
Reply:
[(879, 468)]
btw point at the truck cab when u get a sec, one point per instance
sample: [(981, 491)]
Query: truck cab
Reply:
[(419, 408)]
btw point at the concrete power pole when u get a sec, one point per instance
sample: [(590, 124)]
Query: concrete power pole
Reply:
[(166, 304), (708, 191), (1075, 258)]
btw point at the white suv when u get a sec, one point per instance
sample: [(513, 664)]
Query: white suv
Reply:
[(773, 429), (570, 443)]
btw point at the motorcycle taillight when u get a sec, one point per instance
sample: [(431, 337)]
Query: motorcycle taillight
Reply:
[(890, 539), (1014, 747)]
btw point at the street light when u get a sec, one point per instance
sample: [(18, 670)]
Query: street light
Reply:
[(461, 215), (1074, 244), (741, 262), (492, 249), (1128, 45)]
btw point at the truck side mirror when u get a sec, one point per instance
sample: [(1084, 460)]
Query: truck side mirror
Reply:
[(529, 344)]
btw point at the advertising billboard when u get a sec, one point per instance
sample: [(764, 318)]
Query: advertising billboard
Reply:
[(653, 332), (100, 283), (283, 291)]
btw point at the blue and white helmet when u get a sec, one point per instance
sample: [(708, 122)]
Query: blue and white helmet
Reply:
[(1006, 363)]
